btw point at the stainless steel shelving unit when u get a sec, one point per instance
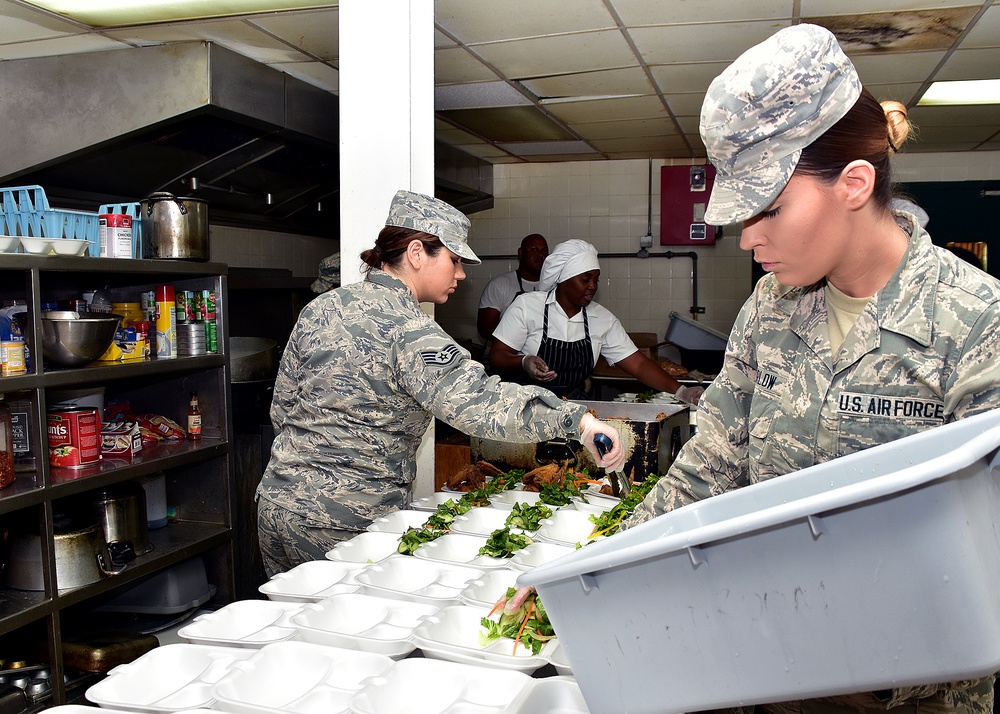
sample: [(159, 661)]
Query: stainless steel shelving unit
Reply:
[(199, 475)]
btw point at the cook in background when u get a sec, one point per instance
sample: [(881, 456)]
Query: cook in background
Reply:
[(859, 310), (365, 370), (501, 290), (554, 336)]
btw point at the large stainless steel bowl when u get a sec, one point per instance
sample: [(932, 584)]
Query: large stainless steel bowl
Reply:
[(72, 339)]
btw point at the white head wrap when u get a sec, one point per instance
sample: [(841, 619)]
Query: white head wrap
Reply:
[(567, 260)]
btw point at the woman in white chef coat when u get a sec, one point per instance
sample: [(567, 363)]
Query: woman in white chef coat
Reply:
[(555, 335)]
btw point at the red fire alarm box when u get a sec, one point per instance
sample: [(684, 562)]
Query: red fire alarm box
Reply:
[(684, 192)]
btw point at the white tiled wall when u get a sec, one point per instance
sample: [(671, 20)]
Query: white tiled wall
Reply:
[(605, 203), (253, 248)]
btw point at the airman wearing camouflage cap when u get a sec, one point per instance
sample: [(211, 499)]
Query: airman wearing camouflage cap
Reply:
[(861, 332), (431, 215), (769, 104)]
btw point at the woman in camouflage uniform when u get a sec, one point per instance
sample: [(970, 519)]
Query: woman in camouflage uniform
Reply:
[(365, 370), (862, 333)]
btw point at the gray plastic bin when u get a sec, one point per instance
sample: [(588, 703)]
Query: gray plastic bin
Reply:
[(876, 570)]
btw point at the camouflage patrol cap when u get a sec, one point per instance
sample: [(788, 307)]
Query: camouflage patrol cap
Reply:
[(774, 100), (431, 215)]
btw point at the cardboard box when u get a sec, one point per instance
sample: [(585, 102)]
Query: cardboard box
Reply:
[(121, 440)]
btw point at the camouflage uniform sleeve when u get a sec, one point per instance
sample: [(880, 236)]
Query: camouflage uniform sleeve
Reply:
[(715, 459), (286, 382), (444, 379)]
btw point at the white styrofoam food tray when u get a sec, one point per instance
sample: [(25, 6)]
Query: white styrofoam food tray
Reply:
[(167, 679), (567, 527), (399, 521), (312, 581), (538, 554), (367, 547), (487, 589), (244, 623), (363, 622), (297, 677), (418, 580), (459, 548), (481, 521), (878, 569), (507, 499), (428, 686), (430, 503), (551, 695), (454, 634)]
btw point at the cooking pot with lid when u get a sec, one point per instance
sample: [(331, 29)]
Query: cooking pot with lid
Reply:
[(81, 554), (174, 227)]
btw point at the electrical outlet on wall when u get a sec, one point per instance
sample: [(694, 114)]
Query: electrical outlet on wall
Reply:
[(646, 241)]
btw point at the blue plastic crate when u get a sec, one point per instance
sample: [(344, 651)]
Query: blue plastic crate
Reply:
[(26, 212)]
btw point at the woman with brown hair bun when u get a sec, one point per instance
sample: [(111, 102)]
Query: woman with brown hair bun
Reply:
[(858, 309)]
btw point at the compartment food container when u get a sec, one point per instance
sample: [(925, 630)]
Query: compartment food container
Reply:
[(167, 679), (505, 500), (459, 548), (487, 589), (538, 553), (567, 527), (455, 632), (651, 435), (244, 623), (418, 580), (431, 503), (298, 677), (550, 695), (701, 347), (481, 521), (878, 570), (367, 547), (399, 521), (313, 581), (428, 686), (362, 622)]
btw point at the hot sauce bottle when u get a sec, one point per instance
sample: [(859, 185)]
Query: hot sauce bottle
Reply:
[(194, 418)]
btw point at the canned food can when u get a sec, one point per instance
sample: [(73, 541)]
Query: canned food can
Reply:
[(12, 358), (212, 336), (180, 307), (115, 234), (208, 304), (74, 437), (189, 305)]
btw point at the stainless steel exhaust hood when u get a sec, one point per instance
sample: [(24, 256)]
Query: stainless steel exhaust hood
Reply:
[(193, 119)]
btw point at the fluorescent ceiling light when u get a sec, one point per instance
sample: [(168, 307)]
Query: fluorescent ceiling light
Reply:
[(112, 13), (590, 98), (979, 91), (545, 148)]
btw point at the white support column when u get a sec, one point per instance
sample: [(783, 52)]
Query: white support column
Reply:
[(386, 132)]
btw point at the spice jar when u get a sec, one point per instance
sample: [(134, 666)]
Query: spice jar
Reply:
[(6, 445)]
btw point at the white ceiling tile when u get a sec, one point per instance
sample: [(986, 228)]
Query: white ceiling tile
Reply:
[(316, 32), (562, 54), (621, 128), (714, 42), (693, 77), (896, 67), (971, 64), (442, 40), (929, 148), (483, 151), (66, 45), (954, 134), (628, 108), (689, 124), (317, 74), (236, 35), (658, 12), (22, 24), (686, 104), (629, 80), (653, 145), (986, 32), (454, 65), (510, 19)]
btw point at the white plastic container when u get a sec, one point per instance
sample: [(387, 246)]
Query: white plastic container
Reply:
[(297, 677), (487, 589), (312, 581), (538, 553), (481, 521), (404, 577), (244, 623), (567, 527), (171, 678), (459, 548), (367, 547), (399, 521), (874, 571)]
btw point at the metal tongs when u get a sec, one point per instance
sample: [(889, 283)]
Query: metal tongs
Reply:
[(618, 478)]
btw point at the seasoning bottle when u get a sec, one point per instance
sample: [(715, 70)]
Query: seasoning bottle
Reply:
[(6, 445), (194, 418)]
